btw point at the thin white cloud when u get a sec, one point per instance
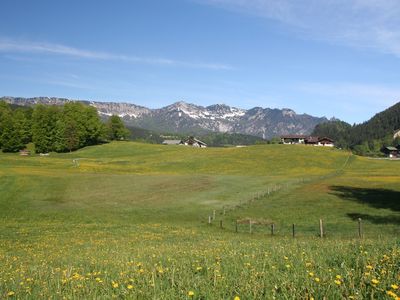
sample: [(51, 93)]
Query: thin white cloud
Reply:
[(8, 45), (359, 23)]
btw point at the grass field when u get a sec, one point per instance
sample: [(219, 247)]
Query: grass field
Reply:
[(130, 220)]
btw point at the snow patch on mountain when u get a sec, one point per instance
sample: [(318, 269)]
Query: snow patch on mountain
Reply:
[(182, 117)]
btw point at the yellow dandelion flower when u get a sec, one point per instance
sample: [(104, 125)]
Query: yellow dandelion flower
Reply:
[(394, 286), (391, 294), (317, 279), (115, 285), (236, 298), (190, 293), (311, 274), (369, 267), (10, 293), (199, 268), (130, 286), (338, 277), (374, 281), (338, 282)]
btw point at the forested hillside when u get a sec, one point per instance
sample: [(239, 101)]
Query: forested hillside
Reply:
[(55, 128), (366, 138)]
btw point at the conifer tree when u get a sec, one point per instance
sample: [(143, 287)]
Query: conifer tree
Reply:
[(116, 129)]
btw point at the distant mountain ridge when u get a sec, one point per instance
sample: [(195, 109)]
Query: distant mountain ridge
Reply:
[(183, 117)]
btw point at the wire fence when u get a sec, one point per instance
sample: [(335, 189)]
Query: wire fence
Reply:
[(318, 227)]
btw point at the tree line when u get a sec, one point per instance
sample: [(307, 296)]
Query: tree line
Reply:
[(367, 138), (56, 128)]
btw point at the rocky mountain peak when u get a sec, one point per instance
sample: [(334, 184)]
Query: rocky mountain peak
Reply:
[(183, 117)]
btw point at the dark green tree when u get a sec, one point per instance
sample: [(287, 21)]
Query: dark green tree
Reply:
[(11, 139), (23, 123), (94, 129), (4, 112), (44, 125), (116, 128)]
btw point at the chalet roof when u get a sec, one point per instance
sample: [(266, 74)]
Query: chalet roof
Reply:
[(390, 148), (312, 139), (191, 140), (325, 139)]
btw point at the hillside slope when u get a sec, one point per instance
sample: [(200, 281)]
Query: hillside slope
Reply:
[(370, 135), (130, 220)]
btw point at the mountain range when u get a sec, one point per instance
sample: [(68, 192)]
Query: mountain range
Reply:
[(182, 117)]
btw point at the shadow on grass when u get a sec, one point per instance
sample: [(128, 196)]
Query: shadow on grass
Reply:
[(377, 198), (376, 219)]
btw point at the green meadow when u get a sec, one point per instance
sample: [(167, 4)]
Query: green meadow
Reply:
[(130, 220)]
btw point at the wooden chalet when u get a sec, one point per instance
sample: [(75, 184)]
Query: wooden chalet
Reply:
[(193, 142), (319, 141), (312, 140), (308, 140), (391, 152), (293, 139)]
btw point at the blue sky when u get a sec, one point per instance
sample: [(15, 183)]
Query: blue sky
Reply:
[(325, 58)]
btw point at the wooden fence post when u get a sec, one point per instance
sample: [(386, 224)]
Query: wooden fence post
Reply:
[(209, 220), (272, 229), (321, 228), (250, 224), (360, 233), (236, 226), (293, 232)]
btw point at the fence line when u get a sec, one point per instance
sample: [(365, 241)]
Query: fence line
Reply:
[(290, 230), (271, 190)]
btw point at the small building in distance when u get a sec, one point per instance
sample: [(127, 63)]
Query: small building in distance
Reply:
[(319, 141), (391, 152), (312, 140), (192, 141), (308, 140), (293, 139)]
